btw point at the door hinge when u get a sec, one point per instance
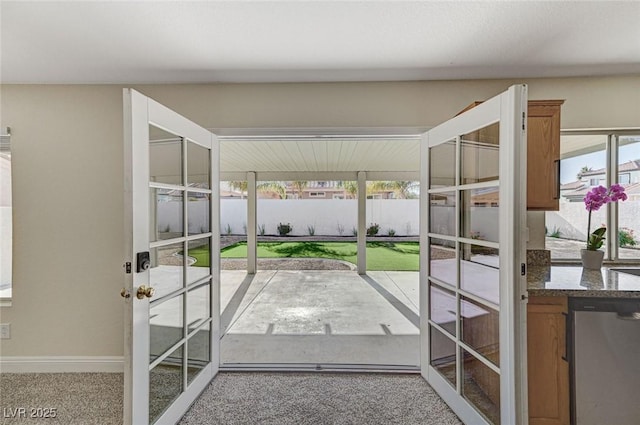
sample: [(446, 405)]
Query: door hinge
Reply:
[(127, 267), (524, 121)]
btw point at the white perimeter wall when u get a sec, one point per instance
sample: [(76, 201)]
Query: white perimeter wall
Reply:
[(67, 157), (572, 219), (327, 215)]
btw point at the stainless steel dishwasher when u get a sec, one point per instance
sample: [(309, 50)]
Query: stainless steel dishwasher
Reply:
[(606, 361)]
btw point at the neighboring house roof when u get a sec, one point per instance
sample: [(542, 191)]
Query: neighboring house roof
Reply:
[(632, 165), (572, 186)]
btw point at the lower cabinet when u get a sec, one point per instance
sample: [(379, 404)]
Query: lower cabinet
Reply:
[(548, 366)]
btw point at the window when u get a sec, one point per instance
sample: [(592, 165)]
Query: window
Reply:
[(5, 215), (584, 164), (316, 194)]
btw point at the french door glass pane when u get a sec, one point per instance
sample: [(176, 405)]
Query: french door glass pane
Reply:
[(480, 215), (442, 261), (442, 308), (442, 165), (629, 210), (479, 155), (198, 166), (480, 329), (199, 352), (442, 211), (166, 274), (198, 210), (166, 326), (199, 258), (198, 306), (443, 355), (165, 383), (165, 157), (481, 387), (479, 272), (166, 214)]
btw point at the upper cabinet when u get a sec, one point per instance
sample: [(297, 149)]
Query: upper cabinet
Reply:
[(543, 154)]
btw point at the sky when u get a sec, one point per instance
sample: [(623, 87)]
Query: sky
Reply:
[(570, 167)]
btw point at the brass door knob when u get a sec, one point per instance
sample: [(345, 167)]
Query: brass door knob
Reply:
[(124, 293), (145, 291)]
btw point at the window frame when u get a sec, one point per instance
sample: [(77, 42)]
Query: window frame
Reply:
[(611, 177)]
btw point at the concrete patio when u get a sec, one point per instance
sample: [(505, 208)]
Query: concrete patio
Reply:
[(320, 318)]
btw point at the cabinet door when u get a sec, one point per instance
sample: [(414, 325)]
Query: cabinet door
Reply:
[(548, 369), (543, 155)]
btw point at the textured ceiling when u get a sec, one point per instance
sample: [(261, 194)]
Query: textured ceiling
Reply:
[(264, 41)]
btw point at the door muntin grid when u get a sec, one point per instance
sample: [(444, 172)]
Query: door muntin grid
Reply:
[(180, 224), (464, 279)]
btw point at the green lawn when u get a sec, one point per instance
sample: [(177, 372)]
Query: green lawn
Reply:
[(380, 255)]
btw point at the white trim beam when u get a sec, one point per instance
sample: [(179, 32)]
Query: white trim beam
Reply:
[(362, 222), (252, 239)]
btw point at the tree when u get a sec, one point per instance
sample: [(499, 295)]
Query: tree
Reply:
[(402, 189), (583, 170), (351, 187), (240, 186), (275, 187), (299, 186)]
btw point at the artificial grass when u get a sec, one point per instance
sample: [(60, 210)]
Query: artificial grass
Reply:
[(401, 256)]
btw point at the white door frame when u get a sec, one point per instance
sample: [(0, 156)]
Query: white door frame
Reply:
[(510, 109), (139, 112)]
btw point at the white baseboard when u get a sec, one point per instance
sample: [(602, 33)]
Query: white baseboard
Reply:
[(61, 364)]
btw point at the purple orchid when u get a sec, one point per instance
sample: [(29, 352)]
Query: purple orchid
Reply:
[(596, 198)]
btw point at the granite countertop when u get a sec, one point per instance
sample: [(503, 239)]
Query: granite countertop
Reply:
[(574, 281)]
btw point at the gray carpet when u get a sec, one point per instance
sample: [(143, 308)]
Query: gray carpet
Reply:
[(80, 398), (319, 398), (237, 398)]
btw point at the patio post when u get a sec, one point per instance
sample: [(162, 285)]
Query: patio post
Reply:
[(252, 243), (362, 222)]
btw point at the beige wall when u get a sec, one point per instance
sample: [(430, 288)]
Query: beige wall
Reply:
[(67, 158)]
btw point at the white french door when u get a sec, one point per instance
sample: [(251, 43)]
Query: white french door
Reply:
[(172, 253), (472, 284)]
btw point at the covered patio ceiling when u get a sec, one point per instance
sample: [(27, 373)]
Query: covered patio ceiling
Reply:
[(319, 157)]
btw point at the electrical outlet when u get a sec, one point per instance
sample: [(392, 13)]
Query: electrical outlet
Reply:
[(5, 330)]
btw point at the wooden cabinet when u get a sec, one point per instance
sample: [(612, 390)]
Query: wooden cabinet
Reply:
[(548, 368), (543, 154)]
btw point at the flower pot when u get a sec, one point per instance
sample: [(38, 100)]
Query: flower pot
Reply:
[(591, 259)]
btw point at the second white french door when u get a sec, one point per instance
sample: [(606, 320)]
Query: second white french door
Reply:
[(473, 235), (172, 286)]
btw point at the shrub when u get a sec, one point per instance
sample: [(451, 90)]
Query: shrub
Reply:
[(354, 231), (262, 229), (228, 229), (626, 237), (311, 230), (340, 229), (391, 232), (373, 229), (284, 229), (554, 233)]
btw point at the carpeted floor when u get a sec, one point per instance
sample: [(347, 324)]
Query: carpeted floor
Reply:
[(236, 398), (319, 398), (79, 398)]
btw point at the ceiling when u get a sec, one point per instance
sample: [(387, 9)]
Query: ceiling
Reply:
[(312, 41), (320, 156)]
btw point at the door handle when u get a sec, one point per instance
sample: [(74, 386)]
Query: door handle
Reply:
[(567, 337), (144, 291), (557, 178)]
